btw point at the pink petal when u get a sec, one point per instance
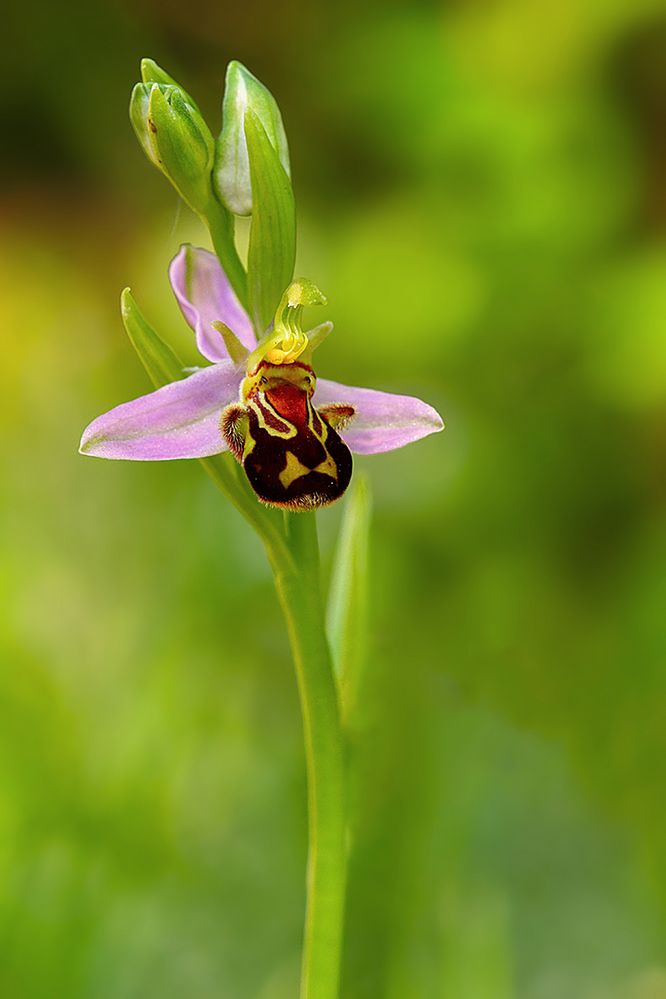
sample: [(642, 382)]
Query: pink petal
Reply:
[(383, 421), (206, 296), (180, 420)]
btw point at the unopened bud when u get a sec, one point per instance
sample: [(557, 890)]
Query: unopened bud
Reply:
[(175, 138), (231, 176)]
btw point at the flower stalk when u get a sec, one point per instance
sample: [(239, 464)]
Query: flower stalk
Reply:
[(293, 552), (299, 591), (221, 227)]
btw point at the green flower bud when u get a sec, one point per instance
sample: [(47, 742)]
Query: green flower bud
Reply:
[(175, 138), (231, 176), (152, 73)]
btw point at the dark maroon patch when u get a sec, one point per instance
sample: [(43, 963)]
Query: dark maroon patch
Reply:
[(267, 458), (270, 419)]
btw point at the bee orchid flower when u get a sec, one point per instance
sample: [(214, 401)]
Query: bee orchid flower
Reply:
[(262, 401)]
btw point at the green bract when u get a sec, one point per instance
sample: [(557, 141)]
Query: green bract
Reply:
[(272, 249), (175, 138), (243, 93)]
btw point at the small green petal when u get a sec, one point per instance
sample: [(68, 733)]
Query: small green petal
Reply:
[(318, 334), (235, 349)]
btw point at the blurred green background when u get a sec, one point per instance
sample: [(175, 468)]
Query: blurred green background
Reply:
[(482, 195)]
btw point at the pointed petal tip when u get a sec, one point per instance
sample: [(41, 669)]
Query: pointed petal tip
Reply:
[(83, 445), (438, 423), (94, 445)]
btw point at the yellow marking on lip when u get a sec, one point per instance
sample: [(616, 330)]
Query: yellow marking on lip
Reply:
[(291, 430), (293, 469), (327, 467)]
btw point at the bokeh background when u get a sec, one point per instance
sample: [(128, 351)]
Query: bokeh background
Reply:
[(482, 195)]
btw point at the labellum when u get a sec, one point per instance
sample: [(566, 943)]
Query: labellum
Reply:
[(291, 452)]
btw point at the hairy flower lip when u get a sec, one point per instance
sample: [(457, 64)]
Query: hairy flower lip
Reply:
[(181, 419)]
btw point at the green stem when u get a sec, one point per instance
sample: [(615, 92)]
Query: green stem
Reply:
[(220, 224), (298, 586), (294, 556)]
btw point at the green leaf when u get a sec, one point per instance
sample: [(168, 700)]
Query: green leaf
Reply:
[(272, 249), (159, 360), (348, 597)]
